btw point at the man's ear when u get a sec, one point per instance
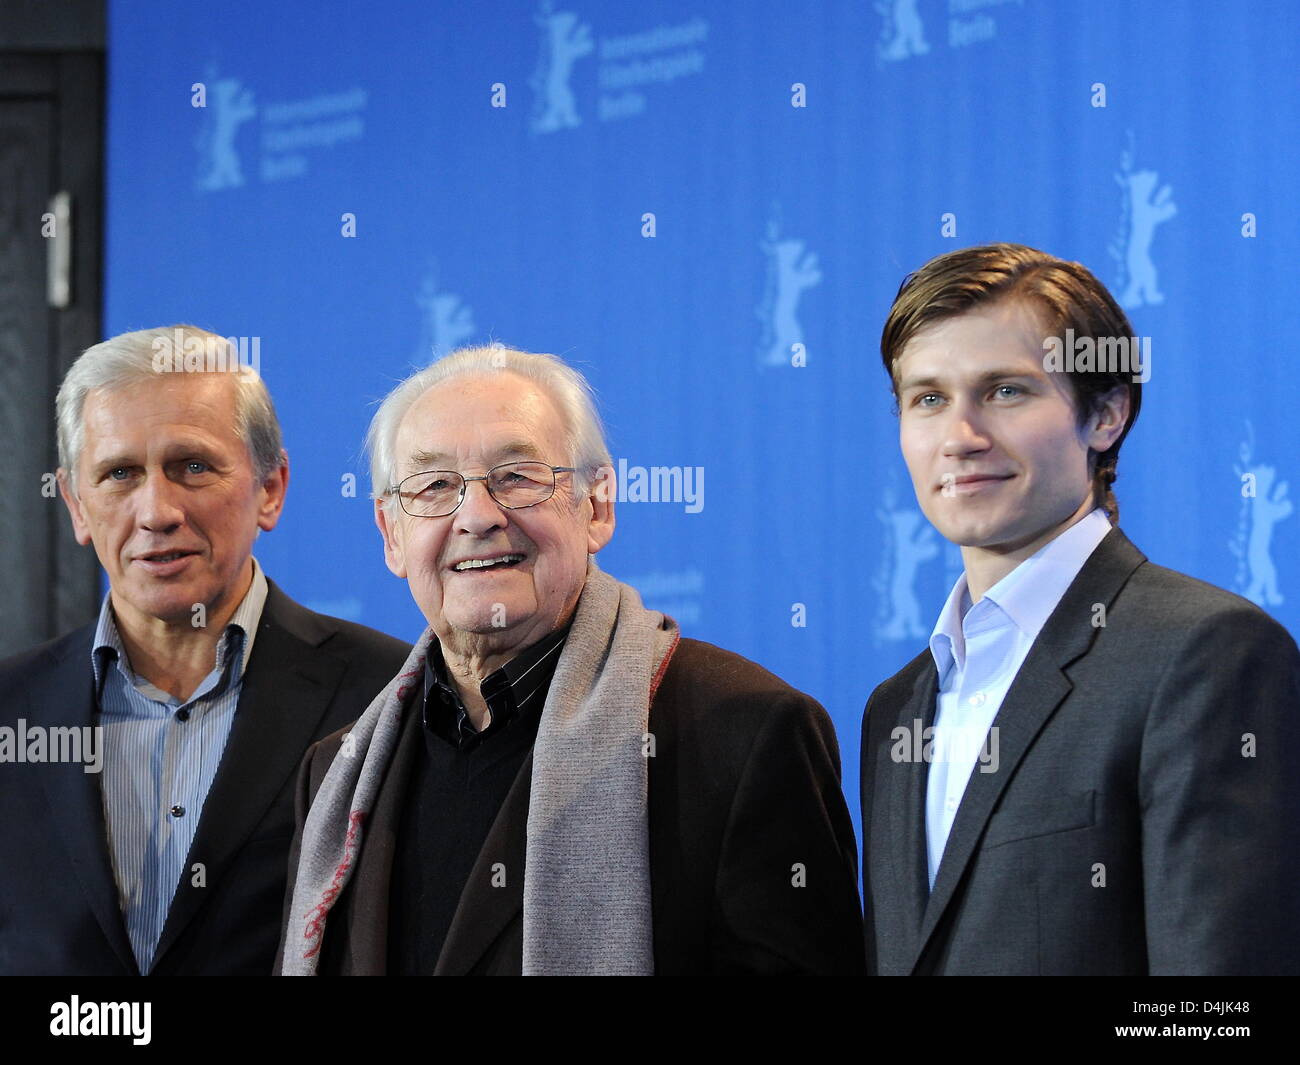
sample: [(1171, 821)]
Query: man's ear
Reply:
[(274, 488), (390, 528), (1109, 416), (604, 490), (80, 528)]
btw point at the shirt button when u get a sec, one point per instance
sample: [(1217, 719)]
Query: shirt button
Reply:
[(978, 699), (182, 714), (952, 803), (178, 811)]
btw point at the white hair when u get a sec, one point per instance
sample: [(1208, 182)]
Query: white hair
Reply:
[(145, 354), (567, 388)]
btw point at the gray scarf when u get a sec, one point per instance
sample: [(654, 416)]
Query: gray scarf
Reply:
[(587, 866)]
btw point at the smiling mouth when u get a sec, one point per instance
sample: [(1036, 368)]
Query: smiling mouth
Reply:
[(501, 562), (164, 564), (972, 482)]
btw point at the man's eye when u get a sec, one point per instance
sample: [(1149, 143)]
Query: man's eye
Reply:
[(921, 399), (195, 466), (119, 473), (1014, 390)]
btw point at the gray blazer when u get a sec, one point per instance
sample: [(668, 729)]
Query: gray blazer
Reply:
[(1145, 813)]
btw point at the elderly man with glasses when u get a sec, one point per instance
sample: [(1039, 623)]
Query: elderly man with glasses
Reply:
[(556, 781)]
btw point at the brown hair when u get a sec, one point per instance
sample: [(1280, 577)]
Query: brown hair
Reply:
[(1065, 295)]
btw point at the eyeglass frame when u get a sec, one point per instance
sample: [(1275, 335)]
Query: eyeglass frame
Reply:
[(466, 481)]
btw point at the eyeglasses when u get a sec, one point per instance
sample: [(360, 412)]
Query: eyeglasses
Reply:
[(514, 485)]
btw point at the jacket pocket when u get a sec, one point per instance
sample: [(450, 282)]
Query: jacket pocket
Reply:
[(1059, 813)]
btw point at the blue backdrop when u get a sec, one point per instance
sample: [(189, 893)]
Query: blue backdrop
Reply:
[(707, 208)]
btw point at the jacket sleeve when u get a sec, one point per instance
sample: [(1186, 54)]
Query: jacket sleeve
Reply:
[(866, 791), (1219, 795), (787, 874)]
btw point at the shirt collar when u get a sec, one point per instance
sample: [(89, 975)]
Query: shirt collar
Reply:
[(520, 685), (947, 642), (242, 627), (1031, 591), (1026, 596)]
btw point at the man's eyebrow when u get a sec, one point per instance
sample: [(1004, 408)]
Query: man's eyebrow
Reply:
[(986, 378), (426, 460), (437, 460), (526, 448), (172, 452), (919, 382), (112, 462)]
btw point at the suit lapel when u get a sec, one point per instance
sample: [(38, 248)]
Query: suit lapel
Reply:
[(906, 806), (1037, 691), (74, 797), (286, 690), (485, 910)]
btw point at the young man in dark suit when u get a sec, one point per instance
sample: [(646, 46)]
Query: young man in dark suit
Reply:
[(147, 781), (1092, 768)]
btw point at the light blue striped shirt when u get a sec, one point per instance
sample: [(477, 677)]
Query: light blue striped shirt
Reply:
[(978, 650), (160, 757)]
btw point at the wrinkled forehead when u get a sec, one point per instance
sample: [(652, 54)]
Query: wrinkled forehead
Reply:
[(480, 421), (163, 405)]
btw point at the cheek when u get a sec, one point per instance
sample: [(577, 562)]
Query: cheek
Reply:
[(421, 555), (561, 555), (109, 526), (916, 452), (1063, 453), (417, 550)]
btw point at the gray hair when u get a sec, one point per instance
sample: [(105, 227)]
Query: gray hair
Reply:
[(568, 389), (130, 358)]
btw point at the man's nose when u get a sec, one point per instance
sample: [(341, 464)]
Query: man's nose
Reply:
[(479, 512), (158, 504), (965, 432)]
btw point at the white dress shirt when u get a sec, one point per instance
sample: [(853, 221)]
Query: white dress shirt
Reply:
[(978, 650)]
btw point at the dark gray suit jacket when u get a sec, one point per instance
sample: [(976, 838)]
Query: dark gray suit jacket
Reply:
[(59, 907), (1145, 814)]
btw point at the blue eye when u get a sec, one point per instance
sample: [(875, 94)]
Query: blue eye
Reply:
[(1012, 388), (195, 466)]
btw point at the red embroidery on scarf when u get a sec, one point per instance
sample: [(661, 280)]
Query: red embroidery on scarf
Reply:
[(316, 915)]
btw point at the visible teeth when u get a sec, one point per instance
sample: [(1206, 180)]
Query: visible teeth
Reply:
[(483, 563)]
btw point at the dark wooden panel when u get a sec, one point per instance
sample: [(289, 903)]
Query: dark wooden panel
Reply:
[(74, 570), (52, 25), (51, 139), (28, 75), (26, 165)]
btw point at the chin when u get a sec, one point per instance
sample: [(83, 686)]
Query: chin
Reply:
[(976, 534), (165, 609), (171, 601), (483, 620)]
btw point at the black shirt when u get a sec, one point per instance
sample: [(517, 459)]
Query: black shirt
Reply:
[(455, 792)]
